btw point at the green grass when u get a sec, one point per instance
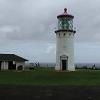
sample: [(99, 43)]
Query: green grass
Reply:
[(50, 77)]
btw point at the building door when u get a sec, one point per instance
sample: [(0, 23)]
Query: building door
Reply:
[(11, 66), (64, 64)]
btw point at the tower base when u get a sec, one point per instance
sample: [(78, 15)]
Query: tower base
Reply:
[(58, 68)]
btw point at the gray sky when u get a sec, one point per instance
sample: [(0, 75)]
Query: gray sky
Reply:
[(27, 28)]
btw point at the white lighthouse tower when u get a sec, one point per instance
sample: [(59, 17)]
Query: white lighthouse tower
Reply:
[(65, 42)]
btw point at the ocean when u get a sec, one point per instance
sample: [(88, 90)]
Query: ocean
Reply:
[(79, 65)]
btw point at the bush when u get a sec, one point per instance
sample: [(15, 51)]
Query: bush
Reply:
[(31, 68)]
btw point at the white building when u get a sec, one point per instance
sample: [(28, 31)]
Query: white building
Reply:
[(11, 62), (65, 42)]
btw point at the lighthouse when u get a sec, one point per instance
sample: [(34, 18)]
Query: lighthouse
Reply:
[(65, 42)]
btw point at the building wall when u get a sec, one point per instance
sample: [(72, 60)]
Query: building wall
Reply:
[(4, 65), (65, 46), (20, 64)]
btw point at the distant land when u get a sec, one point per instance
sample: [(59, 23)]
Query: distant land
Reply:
[(89, 65)]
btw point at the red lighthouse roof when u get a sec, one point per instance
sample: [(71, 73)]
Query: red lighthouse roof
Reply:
[(65, 11), (65, 14)]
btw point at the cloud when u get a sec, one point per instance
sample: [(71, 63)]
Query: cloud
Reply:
[(9, 29), (51, 49), (87, 20), (28, 17), (34, 21), (87, 52)]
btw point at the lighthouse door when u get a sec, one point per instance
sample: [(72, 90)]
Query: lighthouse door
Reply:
[(64, 62)]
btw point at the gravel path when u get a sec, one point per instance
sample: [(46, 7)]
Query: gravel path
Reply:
[(13, 92)]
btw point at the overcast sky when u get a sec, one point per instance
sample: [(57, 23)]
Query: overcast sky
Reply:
[(27, 28)]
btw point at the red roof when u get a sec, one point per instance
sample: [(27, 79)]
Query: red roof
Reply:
[(65, 14)]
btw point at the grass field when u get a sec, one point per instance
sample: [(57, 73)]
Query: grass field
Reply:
[(50, 77)]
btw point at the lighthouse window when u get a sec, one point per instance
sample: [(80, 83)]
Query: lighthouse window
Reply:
[(70, 24), (65, 24), (60, 24), (64, 34), (69, 34), (59, 34)]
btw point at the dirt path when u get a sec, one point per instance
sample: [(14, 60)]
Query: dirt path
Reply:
[(8, 92)]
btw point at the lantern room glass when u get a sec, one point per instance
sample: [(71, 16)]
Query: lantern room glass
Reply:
[(65, 24)]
